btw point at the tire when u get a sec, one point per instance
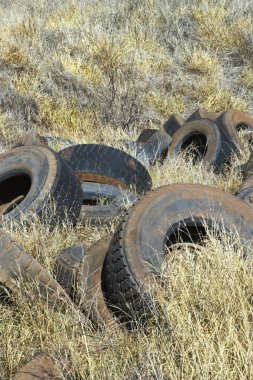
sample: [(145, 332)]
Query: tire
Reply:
[(201, 113), (245, 192), (107, 165), (165, 216), (232, 121), (17, 265), (30, 138), (155, 148), (145, 135), (79, 271), (67, 265), (116, 200), (211, 144), (173, 124), (34, 177), (39, 369)]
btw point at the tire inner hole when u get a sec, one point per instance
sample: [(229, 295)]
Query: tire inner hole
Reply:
[(12, 192), (102, 200), (194, 146), (187, 234)]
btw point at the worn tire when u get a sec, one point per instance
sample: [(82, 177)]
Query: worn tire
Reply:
[(17, 265), (39, 177), (107, 165), (67, 265), (245, 192), (201, 113), (165, 216), (39, 369), (212, 144), (116, 199), (231, 121), (30, 138), (173, 124), (155, 148), (145, 135)]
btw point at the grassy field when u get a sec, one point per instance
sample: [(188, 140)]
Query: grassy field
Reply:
[(98, 71)]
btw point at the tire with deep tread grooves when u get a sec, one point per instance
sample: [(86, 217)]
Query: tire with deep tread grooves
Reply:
[(163, 217), (108, 165), (41, 178), (17, 265)]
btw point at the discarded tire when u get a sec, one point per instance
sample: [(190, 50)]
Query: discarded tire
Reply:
[(32, 179), (107, 165), (145, 135), (30, 138), (168, 215), (205, 142), (201, 113), (16, 265), (173, 124), (102, 203), (39, 369), (155, 148), (67, 265), (245, 192), (79, 272)]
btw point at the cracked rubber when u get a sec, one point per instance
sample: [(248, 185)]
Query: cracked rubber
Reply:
[(138, 247), (44, 180), (107, 165), (17, 266)]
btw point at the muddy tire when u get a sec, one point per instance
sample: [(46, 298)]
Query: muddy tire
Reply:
[(107, 165), (102, 203), (168, 215), (32, 179), (201, 113), (67, 265), (30, 138), (39, 369), (173, 124), (155, 148), (145, 135), (211, 146), (17, 267)]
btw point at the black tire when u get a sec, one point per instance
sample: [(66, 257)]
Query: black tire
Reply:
[(116, 201), (211, 145), (145, 135), (67, 265), (165, 216), (107, 165), (155, 148), (32, 178), (173, 124), (17, 265), (201, 113)]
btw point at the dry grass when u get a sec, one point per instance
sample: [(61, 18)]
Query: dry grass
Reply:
[(96, 71)]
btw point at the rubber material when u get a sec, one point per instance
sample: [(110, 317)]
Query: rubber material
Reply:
[(245, 192), (173, 124), (16, 264), (201, 113), (38, 177), (165, 216), (145, 135), (30, 138), (39, 369), (104, 164), (155, 148), (116, 200), (208, 139), (67, 265)]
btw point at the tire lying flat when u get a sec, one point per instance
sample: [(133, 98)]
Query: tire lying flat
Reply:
[(17, 265), (212, 146), (32, 178), (116, 201), (165, 216), (107, 165)]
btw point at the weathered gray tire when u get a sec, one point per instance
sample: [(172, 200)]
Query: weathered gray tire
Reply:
[(155, 148), (165, 216), (35, 178), (16, 265)]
